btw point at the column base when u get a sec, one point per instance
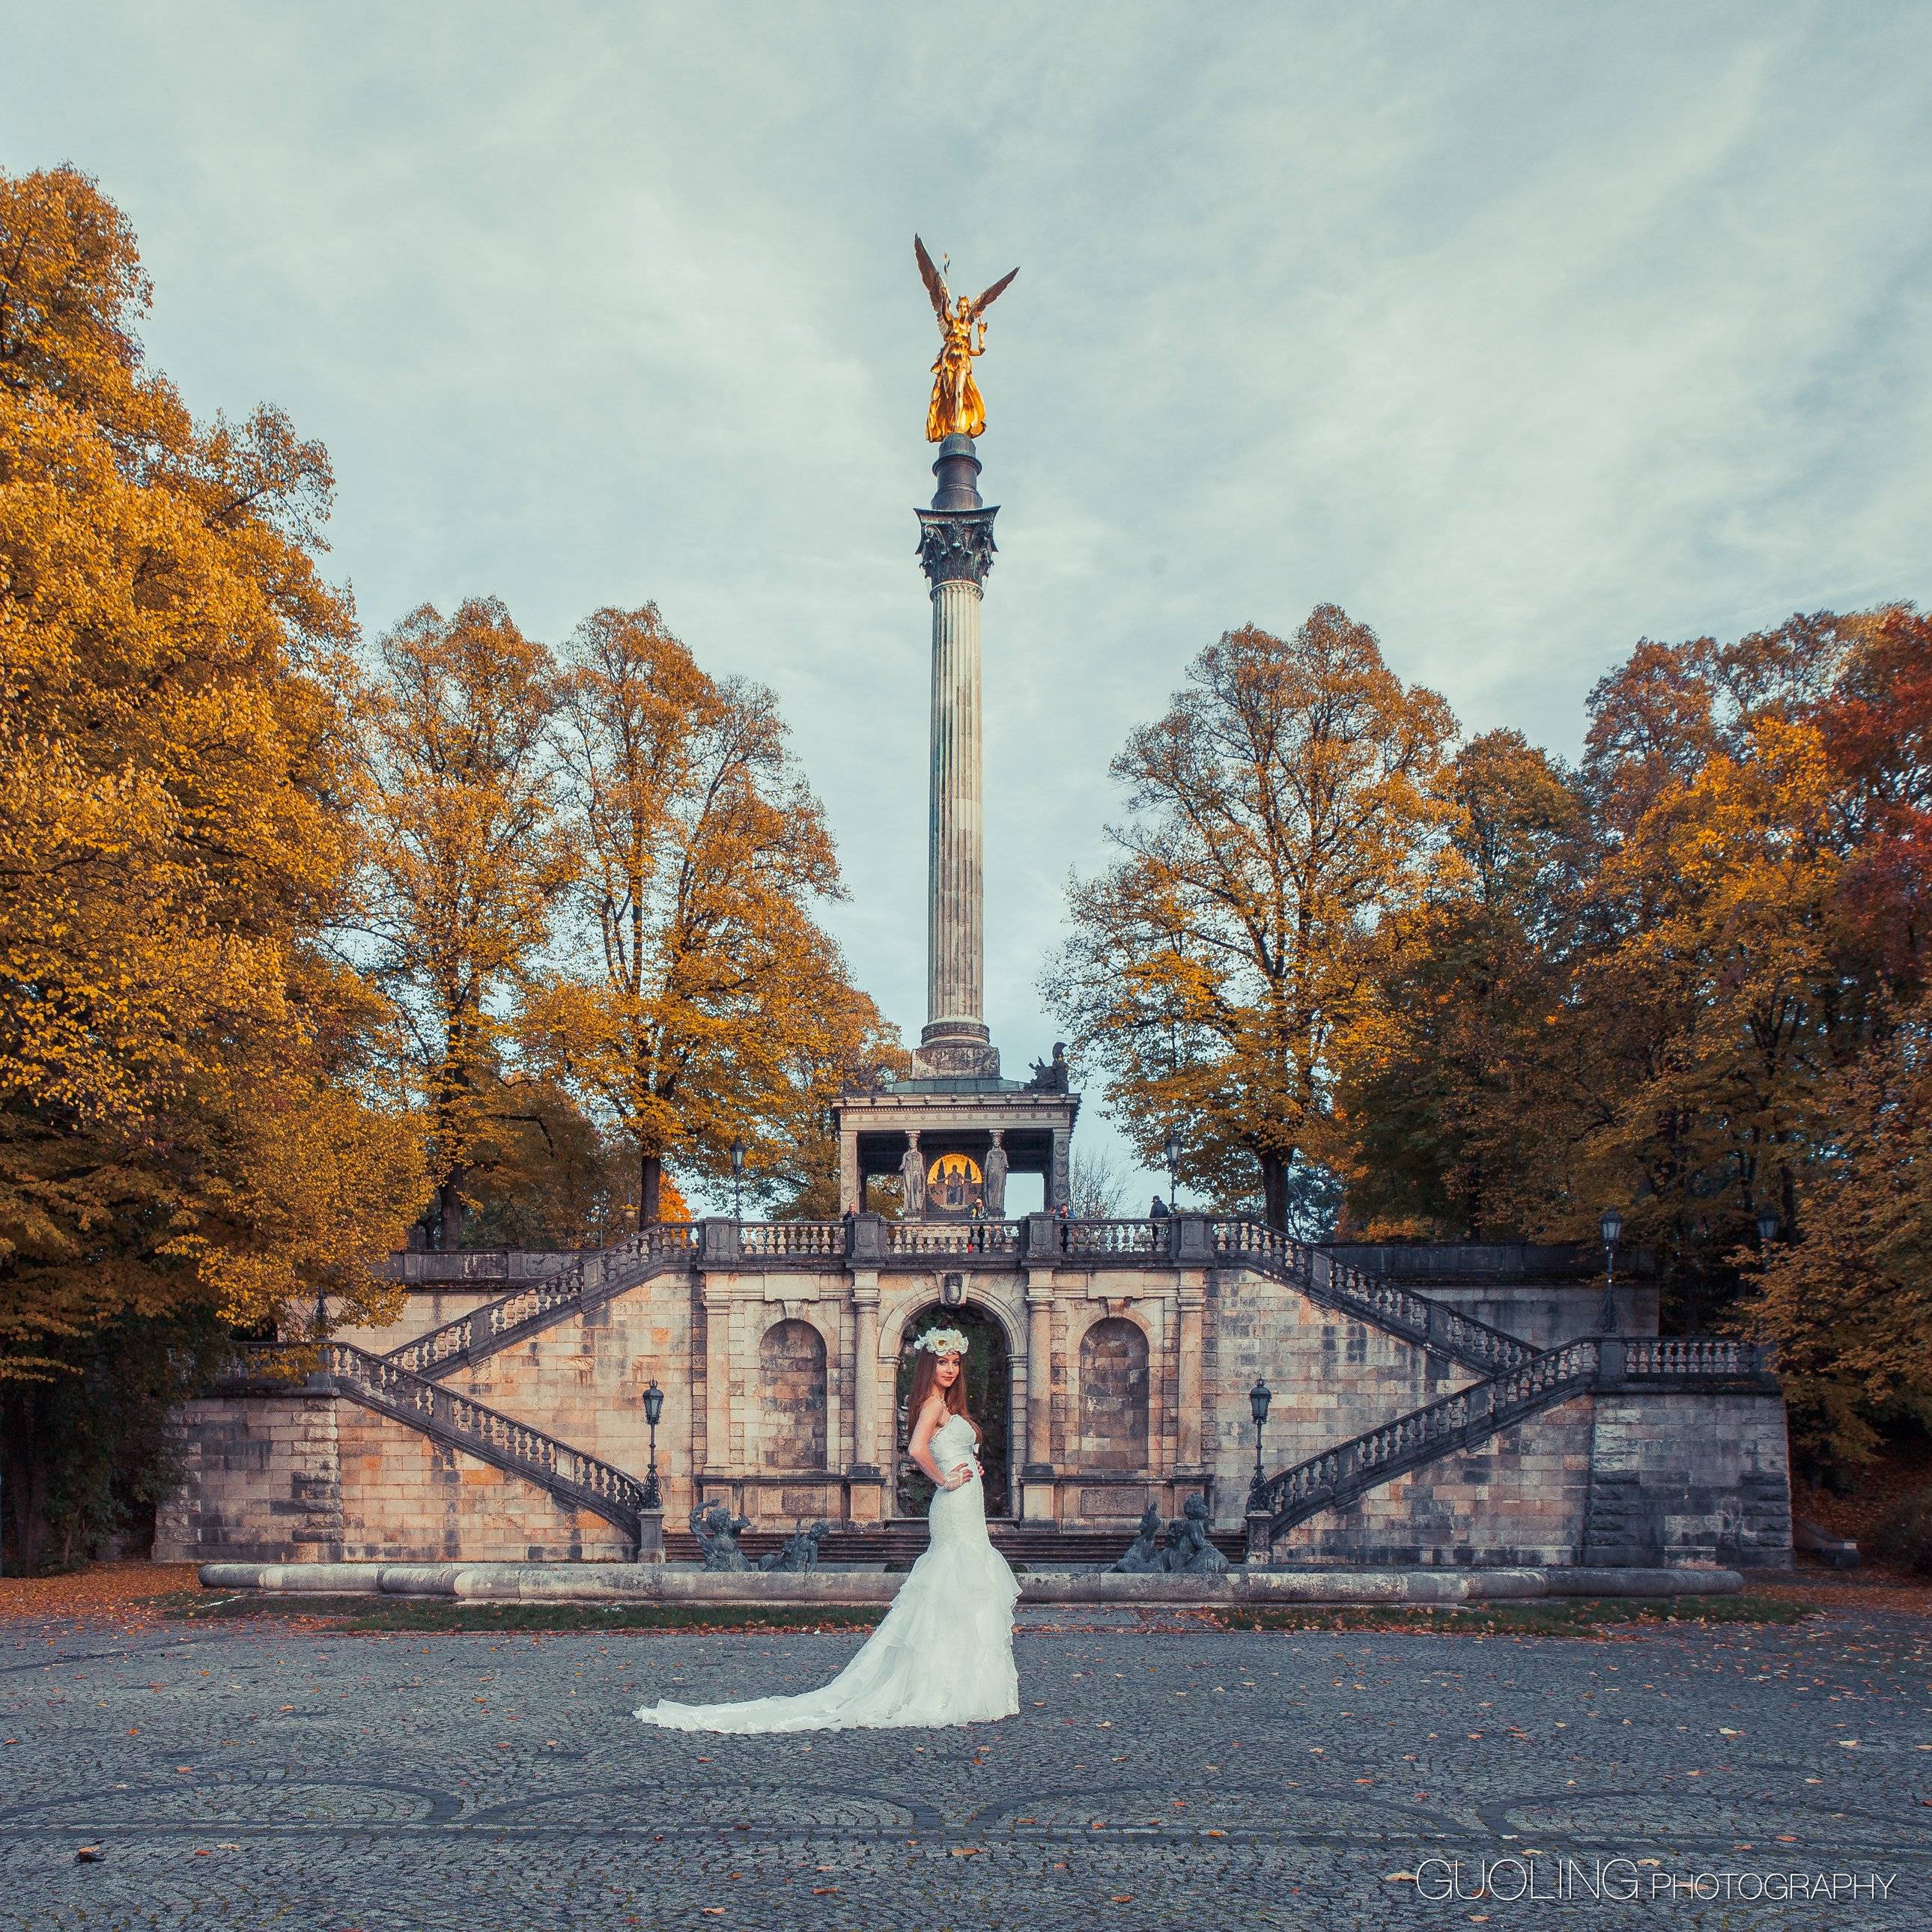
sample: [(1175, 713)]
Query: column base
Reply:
[(865, 1491), (1039, 1498), (955, 1059)]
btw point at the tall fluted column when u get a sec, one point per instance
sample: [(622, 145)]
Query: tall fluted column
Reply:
[(956, 551), (955, 940)]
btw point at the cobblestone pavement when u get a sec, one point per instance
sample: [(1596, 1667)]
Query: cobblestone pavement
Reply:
[(262, 1775)]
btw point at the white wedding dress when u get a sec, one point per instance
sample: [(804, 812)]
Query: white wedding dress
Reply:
[(944, 1653)]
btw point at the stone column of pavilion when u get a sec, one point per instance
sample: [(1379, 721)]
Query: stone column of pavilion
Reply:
[(955, 549)]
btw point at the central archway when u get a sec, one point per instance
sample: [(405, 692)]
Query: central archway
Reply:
[(989, 1390)]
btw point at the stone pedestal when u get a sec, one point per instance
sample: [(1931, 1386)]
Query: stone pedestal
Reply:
[(650, 1536)]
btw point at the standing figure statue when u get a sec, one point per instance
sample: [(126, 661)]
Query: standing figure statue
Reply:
[(1189, 1552), (716, 1530), (956, 408), (993, 1185), (912, 1180)]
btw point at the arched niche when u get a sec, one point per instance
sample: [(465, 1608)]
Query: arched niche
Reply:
[(989, 1395), (1113, 1396), (791, 1374)]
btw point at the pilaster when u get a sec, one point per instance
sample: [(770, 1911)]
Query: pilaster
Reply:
[(867, 1477)]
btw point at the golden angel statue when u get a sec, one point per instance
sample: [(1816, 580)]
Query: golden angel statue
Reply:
[(957, 408)]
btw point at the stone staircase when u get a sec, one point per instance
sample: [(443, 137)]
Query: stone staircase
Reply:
[(576, 1479), (1345, 1473), (1517, 1381), (585, 1283), (1382, 1303)]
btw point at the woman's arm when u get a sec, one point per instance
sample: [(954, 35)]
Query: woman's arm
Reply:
[(930, 1418)]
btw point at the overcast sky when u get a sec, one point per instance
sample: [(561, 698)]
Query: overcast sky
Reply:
[(1520, 332)]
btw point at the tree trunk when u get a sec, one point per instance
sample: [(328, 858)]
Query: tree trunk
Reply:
[(1274, 1190), (650, 1185), (449, 1213), (26, 1479)]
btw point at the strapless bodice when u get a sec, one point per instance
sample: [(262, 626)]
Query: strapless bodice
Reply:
[(954, 1437)]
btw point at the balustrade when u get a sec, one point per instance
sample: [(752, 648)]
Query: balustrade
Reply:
[(953, 1238), (1113, 1237), (791, 1241)]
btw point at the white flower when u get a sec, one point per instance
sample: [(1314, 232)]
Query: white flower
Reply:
[(943, 1342)]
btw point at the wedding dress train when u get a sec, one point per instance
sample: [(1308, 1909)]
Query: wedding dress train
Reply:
[(944, 1653)]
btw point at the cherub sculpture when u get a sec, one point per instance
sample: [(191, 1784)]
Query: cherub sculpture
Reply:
[(1190, 1551), (1143, 1556), (716, 1530), (799, 1553), (957, 408)]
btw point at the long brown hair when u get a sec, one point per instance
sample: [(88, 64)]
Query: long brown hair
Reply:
[(924, 1372)]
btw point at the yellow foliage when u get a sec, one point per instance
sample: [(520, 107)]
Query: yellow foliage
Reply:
[(170, 745), (704, 1004), (1282, 809)]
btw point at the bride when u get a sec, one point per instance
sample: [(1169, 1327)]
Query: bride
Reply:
[(944, 1653)]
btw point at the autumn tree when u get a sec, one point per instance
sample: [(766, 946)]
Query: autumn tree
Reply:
[(1876, 721), (192, 1127), (1461, 1081), (464, 861), (1849, 1301), (700, 1003), (1282, 808), (1715, 928)]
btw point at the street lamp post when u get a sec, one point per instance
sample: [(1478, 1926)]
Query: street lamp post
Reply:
[(1172, 1150), (653, 1410), (737, 1180), (1767, 1230), (1259, 1396), (1610, 1226)]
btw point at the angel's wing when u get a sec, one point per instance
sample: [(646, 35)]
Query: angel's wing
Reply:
[(935, 282), (987, 300)]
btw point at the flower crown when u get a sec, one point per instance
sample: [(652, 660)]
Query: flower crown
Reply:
[(943, 1342)]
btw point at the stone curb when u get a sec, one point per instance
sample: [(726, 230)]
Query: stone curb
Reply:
[(659, 1583)]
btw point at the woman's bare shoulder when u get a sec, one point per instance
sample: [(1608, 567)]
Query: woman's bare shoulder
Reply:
[(935, 1408)]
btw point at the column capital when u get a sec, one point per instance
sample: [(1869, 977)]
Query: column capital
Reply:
[(956, 546)]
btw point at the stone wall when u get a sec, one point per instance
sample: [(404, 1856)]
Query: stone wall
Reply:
[(1681, 1478), (1332, 1378), (1518, 1498), (261, 1482), (311, 1477), (405, 1498)]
